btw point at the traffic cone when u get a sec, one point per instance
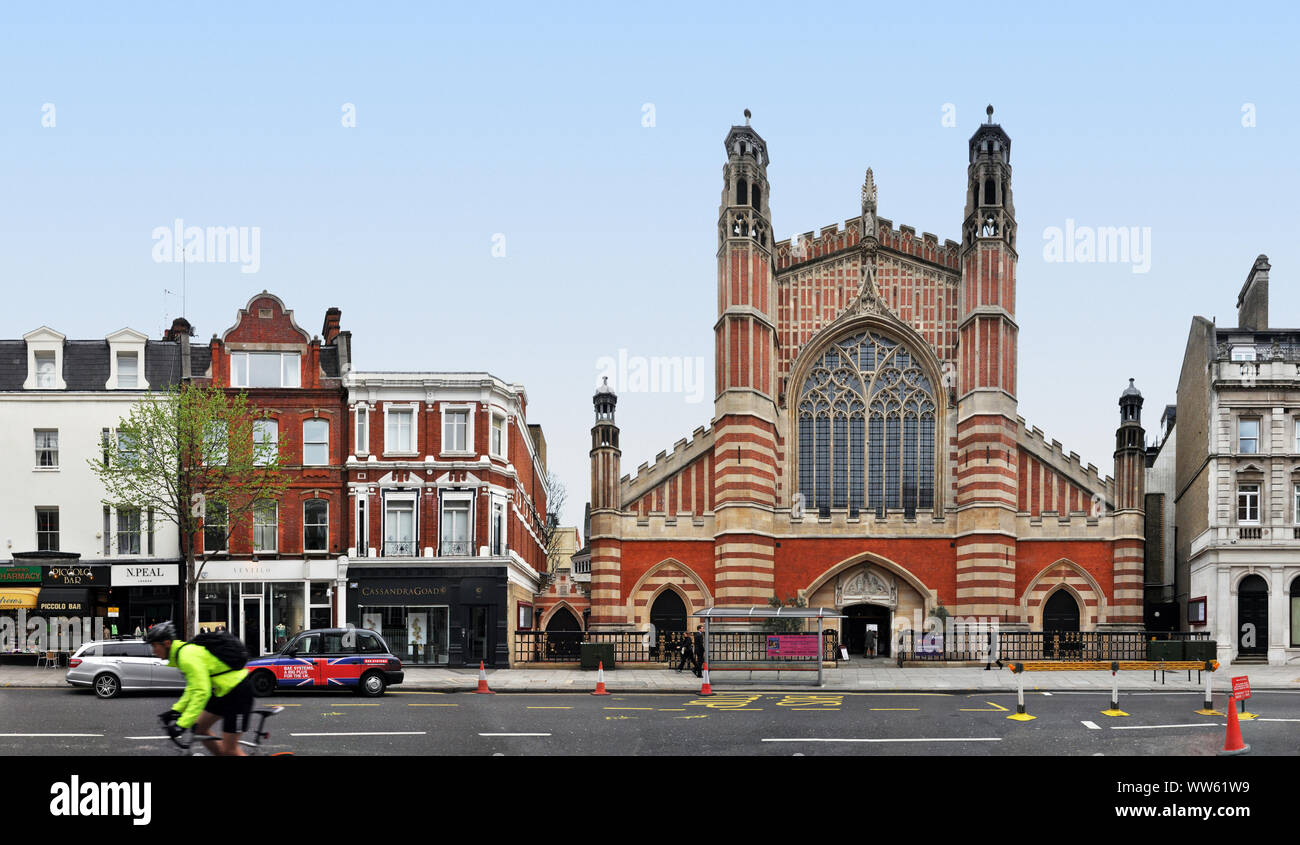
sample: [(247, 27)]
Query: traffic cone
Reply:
[(705, 689), (482, 680), (1232, 743), (600, 679)]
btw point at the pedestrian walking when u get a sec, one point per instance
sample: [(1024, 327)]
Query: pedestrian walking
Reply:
[(687, 653), (871, 642), (699, 650)]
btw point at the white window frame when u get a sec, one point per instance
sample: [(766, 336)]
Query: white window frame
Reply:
[(468, 409), (361, 429), (498, 529), (224, 525), (1297, 504), (411, 498), (413, 408), (320, 421), (1241, 450), (469, 498), (124, 515), (1243, 353), (259, 445), (216, 445), (325, 549), (259, 510), (47, 380), (1244, 494), (45, 341), (125, 380), (241, 369), (503, 418), (58, 527), (36, 435)]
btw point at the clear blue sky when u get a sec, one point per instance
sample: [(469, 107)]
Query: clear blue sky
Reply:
[(527, 121)]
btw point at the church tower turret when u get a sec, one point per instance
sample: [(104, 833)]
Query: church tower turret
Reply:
[(987, 456), (1129, 556), (745, 413), (604, 533)]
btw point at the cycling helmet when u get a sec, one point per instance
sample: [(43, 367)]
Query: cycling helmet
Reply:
[(160, 632)]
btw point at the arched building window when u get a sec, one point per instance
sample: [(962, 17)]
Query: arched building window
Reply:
[(866, 417)]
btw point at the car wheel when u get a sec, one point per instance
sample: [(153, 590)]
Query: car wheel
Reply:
[(263, 684), (107, 685), (372, 684)]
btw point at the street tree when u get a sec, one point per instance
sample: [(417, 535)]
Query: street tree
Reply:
[(199, 458)]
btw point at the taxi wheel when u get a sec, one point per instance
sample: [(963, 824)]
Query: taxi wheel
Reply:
[(372, 684), (107, 685), (263, 684)]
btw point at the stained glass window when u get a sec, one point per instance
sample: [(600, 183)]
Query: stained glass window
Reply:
[(866, 422)]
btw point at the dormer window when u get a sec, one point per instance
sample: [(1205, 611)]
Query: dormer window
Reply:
[(265, 369), (128, 370), (45, 370)]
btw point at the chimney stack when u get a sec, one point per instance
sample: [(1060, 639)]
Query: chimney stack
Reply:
[(1252, 302), (330, 330)]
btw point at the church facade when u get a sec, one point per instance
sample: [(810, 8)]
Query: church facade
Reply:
[(865, 452)]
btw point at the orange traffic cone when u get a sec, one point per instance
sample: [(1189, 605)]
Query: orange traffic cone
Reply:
[(482, 680), (705, 689), (600, 680), (1233, 743)]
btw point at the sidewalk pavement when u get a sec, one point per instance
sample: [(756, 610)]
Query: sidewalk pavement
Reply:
[(853, 676)]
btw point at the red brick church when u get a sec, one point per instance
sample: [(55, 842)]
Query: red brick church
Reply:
[(865, 452)]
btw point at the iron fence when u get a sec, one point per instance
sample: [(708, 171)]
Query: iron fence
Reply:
[(984, 645), (635, 647)]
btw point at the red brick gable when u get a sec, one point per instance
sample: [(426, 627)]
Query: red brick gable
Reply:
[(265, 320)]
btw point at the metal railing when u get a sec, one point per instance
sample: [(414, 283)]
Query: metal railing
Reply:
[(456, 548), (985, 646), (634, 647), (399, 548)]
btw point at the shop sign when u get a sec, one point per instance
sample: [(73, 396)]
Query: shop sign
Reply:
[(792, 645), (63, 602), (146, 574), (390, 593), (20, 575), (76, 576)]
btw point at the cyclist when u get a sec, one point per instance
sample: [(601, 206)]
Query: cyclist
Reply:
[(212, 690)]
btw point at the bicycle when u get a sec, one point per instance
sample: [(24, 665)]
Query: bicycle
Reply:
[(195, 744)]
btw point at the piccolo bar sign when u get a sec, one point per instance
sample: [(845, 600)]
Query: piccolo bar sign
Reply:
[(77, 576)]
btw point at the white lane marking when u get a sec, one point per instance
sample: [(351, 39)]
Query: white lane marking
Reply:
[(53, 735), (923, 739), (1275, 720), (366, 733), (1092, 726), (521, 734), (147, 737), (1152, 727), (1048, 694)]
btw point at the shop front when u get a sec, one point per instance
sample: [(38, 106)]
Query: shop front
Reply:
[(53, 606), (266, 602), (144, 594), (434, 615)]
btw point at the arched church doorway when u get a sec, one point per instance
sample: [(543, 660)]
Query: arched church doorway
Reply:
[(861, 618), (564, 635), (668, 615), (1252, 617), (1061, 626)]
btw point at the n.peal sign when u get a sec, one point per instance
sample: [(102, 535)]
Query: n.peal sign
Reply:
[(1241, 688), (146, 574)]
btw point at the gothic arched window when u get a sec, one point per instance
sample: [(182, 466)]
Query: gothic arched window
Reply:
[(866, 416)]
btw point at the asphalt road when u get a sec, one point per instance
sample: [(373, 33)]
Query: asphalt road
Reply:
[(51, 722)]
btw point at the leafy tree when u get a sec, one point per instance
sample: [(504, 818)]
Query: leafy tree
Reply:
[(194, 456), (786, 626)]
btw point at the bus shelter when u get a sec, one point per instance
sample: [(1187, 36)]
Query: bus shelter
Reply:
[(754, 614)]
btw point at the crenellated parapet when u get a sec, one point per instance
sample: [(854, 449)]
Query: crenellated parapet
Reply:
[(811, 246), (1066, 466), (666, 465)]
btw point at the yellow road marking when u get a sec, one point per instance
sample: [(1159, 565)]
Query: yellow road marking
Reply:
[(627, 708), (815, 710), (895, 708), (997, 708), (357, 705), (672, 709), (420, 704)]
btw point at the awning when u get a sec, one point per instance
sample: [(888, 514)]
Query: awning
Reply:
[(18, 598), (64, 600)]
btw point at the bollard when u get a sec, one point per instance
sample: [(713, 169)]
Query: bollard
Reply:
[(1114, 692), (1020, 715), (1208, 709), (1245, 714)]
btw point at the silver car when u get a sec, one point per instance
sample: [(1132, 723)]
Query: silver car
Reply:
[(110, 667)]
